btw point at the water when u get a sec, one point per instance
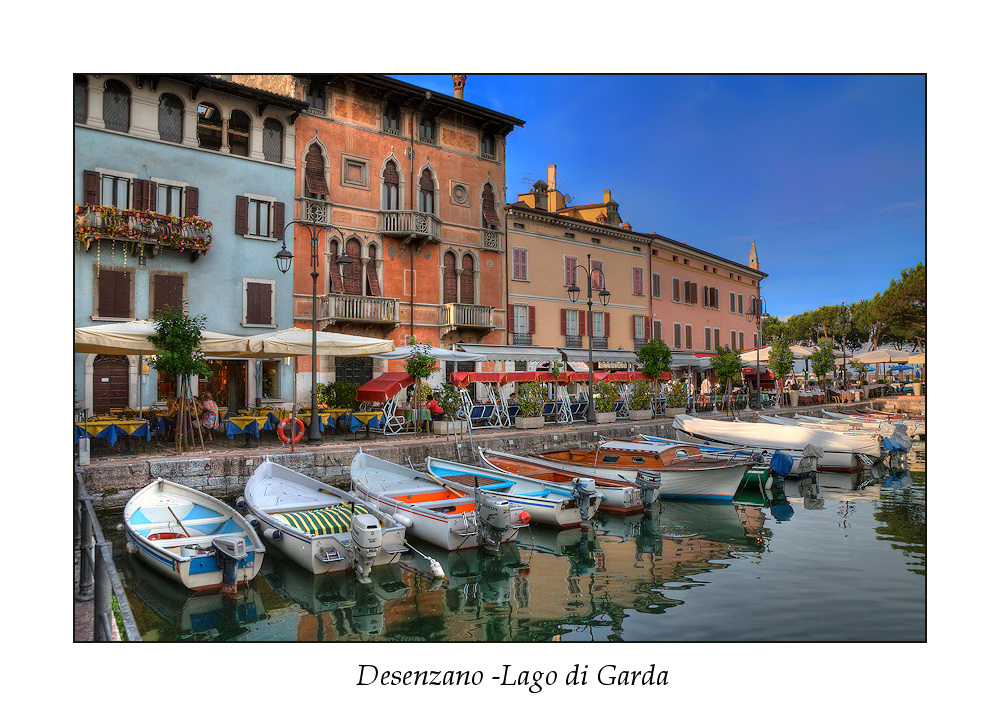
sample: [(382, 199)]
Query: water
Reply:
[(831, 561)]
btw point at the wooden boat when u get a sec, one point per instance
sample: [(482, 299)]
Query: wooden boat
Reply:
[(192, 537), (450, 517), (840, 452), (914, 428), (545, 502), (758, 456), (820, 424), (319, 527), (683, 472), (619, 495)]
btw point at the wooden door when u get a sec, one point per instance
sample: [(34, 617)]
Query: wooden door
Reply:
[(110, 383)]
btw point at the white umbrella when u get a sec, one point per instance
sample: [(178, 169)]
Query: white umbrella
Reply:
[(883, 355), (750, 357), (917, 359), (432, 351), (132, 338), (298, 342)]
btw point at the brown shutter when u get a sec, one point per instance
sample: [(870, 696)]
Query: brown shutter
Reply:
[(510, 318), (450, 279), (371, 270), (352, 271), (562, 321), (649, 327), (242, 211), (191, 201), (489, 207), (113, 294), (677, 289), (531, 319), (688, 336), (316, 172), (168, 292), (279, 220), (607, 324), (468, 282), (694, 292), (426, 181), (634, 332), (259, 303), (336, 281), (581, 321), (91, 188), (139, 191)]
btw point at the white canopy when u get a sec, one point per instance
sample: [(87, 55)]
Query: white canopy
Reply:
[(750, 357), (883, 355), (298, 342), (917, 359), (433, 351), (132, 338)]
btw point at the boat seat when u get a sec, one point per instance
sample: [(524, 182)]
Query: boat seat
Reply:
[(202, 542), (279, 508), (208, 526), (327, 521)]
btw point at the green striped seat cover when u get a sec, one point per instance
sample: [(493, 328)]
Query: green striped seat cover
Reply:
[(326, 521)]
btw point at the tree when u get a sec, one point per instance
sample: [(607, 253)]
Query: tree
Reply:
[(902, 307), (823, 360), (780, 361), (654, 360), (728, 367), (178, 337), (420, 365)]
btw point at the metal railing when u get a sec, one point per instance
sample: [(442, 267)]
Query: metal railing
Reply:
[(574, 341), (467, 315), (409, 222), (521, 339), (98, 579), (368, 309)]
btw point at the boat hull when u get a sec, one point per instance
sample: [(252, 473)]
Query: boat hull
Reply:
[(171, 528), (274, 489)]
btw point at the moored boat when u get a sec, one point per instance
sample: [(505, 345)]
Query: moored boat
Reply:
[(841, 452), (914, 427), (191, 537), (547, 503), (320, 527), (619, 496), (683, 472), (450, 517)]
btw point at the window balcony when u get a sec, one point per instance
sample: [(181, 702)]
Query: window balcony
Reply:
[(462, 315), (143, 228), (521, 339), (492, 239), (574, 341), (639, 343), (348, 308), (601, 342), (406, 223)]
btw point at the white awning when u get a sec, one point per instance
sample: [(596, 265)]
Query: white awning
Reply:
[(503, 353), (601, 355)]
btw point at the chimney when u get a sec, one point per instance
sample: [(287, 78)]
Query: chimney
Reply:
[(552, 204), (459, 82)]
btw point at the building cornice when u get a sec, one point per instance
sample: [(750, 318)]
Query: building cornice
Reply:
[(547, 217)]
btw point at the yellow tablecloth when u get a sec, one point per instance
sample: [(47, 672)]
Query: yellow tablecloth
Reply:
[(95, 426), (241, 421)]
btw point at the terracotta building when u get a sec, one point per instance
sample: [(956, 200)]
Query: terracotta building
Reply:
[(414, 183)]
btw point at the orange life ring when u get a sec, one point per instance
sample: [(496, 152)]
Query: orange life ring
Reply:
[(165, 535), (300, 430)]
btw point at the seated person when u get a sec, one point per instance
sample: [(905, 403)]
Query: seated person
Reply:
[(436, 411), (209, 413), (171, 414)]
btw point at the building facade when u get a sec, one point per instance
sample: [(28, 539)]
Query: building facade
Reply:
[(414, 183), (180, 184)]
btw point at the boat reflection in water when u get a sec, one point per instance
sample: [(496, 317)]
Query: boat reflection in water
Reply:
[(185, 615), (335, 606)]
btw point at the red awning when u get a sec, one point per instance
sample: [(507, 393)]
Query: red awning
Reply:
[(625, 376), (465, 378), (379, 390), (528, 376)]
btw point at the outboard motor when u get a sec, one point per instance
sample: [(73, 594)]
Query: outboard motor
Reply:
[(810, 459), (492, 520), (366, 539), (649, 482), (895, 443), (229, 552), (583, 489), (781, 464)]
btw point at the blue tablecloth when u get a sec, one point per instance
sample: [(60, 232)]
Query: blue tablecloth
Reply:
[(112, 432), (252, 426)]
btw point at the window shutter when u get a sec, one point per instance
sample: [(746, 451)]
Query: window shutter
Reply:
[(371, 271), (531, 319), (279, 220), (489, 207), (258, 303), (336, 280), (649, 326), (694, 292), (562, 321), (607, 324), (708, 339), (677, 289), (450, 279), (637, 281), (467, 284), (191, 201), (168, 292), (569, 270), (113, 294), (715, 298), (739, 303), (635, 326), (716, 337), (581, 322), (242, 209), (91, 188), (688, 336), (139, 191), (732, 302), (316, 172), (510, 318), (677, 335)]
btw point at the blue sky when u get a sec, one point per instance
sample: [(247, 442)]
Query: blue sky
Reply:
[(825, 172)]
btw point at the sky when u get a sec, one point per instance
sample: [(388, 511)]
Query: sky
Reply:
[(825, 173)]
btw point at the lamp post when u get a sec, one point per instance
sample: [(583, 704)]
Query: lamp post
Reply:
[(845, 323), (758, 309), (284, 260), (604, 296)]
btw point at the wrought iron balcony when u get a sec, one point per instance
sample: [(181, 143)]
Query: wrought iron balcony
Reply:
[(574, 341), (492, 239), (143, 228), (348, 308), (462, 315), (600, 342), (405, 223), (639, 343), (521, 339)]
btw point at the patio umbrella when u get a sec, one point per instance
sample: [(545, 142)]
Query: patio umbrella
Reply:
[(750, 357), (917, 359), (403, 352), (298, 342), (883, 355), (132, 338)]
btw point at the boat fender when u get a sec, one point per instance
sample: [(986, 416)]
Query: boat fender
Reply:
[(131, 548), (254, 523), (272, 533), (241, 502), (403, 520), (524, 517)]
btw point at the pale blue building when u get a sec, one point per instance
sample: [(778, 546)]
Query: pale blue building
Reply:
[(183, 185)]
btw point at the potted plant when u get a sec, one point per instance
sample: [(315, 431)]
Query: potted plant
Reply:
[(530, 399), (605, 399), (793, 395), (450, 401), (780, 360), (642, 401), (677, 395)]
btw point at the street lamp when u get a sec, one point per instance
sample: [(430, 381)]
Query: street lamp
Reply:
[(284, 260), (845, 323), (758, 310), (604, 296)]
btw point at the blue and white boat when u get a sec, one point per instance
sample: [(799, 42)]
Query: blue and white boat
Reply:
[(547, 503), (191, 537)]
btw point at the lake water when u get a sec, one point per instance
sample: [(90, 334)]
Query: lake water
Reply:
[(842, 559)]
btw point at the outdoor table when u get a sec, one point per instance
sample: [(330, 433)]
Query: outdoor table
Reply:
[(327, 419), (355, 420), (246, 424), (417, 417), (112, 429)]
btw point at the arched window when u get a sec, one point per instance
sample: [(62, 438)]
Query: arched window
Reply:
[(390, 187), (426, 192), (80, 99), (117, 106), (209, 127), (371, 272), (315, 173), (450, 279), (239, 133), (352, 271), (490, 218), (391, 119), (273, 139), (171, 118), (468, 280), (336, 280)]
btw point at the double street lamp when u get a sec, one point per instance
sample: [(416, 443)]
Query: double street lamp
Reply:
[(284, 259), (758, 310), (845, 324), (604, 296)]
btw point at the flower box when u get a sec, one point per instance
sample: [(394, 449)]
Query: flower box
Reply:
[(640, 414), (524, 423), (607, 417)]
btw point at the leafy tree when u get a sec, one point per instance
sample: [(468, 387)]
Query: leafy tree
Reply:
[(178, 338), (823, 360), (419, 366), (728, 367), (654, 360), (780, 360), (902, 307), (773, 329)]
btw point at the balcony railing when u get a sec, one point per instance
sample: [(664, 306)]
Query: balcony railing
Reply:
[(143, 228), (521, 339), (491, 239), (462, 315), (404, 223), (639, 343), (600, 342), (360, 309), (574, 341)]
